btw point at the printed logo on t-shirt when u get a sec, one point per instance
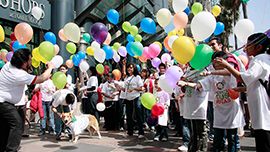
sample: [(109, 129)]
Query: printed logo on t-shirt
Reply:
[(220, 85), (188, 92), (223, 97)]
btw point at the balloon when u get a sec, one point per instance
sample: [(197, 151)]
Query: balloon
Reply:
[(126, 26), (56, 49), (84, 66), (96, 30), (95, 45), (17, 45), (46, 50), (163, 17), (154, 50), (117, 58), (165, 58), (3, 50), (173, 32), (100, 106), (180, 20), (72, 32), (128, 48), (76, 60), (133, 30), (2, 63), (100, 55), (109, 52), (2, 34), (196, 8), (35, 62), (138, 38), (145, 53), (90, 51), (216, 10), (164, 85), (138, 67), (71, 47), (244, 59), (58, 60), (122, 51), (36, 12), (202, 57), (233, 94), (114, 53), (103, 36), (148, 100), (137, 48), (183, 49), (59, 79), (219, 28), (116, 45), (152, 120), (170, 27), (148, 25), (62, 36), (160, 45), (203, 25), (86, 37), (82, 54), (11, 45), (130, 38), (171, 40), (49, 36), (12, 35), (156, 62), (117, 74), (113, 16), (173, 75), (108, 39), (179, 5), (3, 56), (35, 53), (180, 32), (157, 109), (100, 69), (39, 57), (69, 63), (9, 56), (166, 45), (142, 59), (243, 29), (187, 10), (106, 69), (23, 32)]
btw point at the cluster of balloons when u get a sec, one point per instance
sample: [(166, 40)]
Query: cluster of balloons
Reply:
[(5, 56)]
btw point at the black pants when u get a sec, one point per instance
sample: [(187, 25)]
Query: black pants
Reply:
[(262, 139), (109, 115), (10, 127), (91, 103), (22, 113)]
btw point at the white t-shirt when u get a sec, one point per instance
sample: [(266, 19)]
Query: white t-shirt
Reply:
[(122, 93), (178, 92), (22, 101), (109, 91), (132, 82), (163, 98), (12, 83), (93, 81), (45, 90), (60, 98), (258, 100), (227, 112)]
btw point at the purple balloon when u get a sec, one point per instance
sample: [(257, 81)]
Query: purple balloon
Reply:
[(156, 62), (96, 30), (9, 56), (173, 75), (103, 35), (122, 51), (152, 120)]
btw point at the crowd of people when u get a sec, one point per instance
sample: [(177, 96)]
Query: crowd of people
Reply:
[(194, 104)]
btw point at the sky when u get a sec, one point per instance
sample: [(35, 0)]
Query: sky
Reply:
[(259, 13)]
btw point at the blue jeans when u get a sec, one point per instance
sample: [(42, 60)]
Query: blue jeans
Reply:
[(134, 108), (185, 131), (48, 113), (210, 117), (122, 114), (162, 132), (58, 120), (218, 139)]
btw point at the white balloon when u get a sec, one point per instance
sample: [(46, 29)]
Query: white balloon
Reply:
[(37, 12), (179, 5), (203, 25), (72, 32), (171, 40), (115, 53), (117, 58), (100, 55), (164, 85), (84, 66), (57, 61), (100, 106), (243, 29), (95, 45), (166, 58)]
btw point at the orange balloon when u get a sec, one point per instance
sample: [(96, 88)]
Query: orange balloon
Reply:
[(166, 45), (143, 59), (62, 36), (117, 74), (233, 94), (69, 63), (3, 56), (56, 49), (23, 32), (180, 20), (108, 39), (244, 59)]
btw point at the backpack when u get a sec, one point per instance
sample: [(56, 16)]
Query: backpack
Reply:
[(266, 85)]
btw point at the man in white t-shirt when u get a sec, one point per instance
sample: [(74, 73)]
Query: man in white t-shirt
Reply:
[(13, 78)]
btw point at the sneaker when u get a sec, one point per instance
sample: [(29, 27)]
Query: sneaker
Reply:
[(146, 127), (156, 138), (121, 129), (164, 139), (141, 136), (211, 138), (182, 148), (58, 138), (136, 131)]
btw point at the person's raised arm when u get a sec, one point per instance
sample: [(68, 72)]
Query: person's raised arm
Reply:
[(124, 73), (45, 75), (189, 84)]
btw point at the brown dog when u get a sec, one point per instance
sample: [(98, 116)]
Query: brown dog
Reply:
[(78, 123)]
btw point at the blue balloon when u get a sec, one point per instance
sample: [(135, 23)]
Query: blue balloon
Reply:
[(187, 10), (130, 38), (206, 40), (109, 52), (165, 49), (138, 67), (219, 28), (17, 45), (82, 54), (128, 48), (76, 60), (113, 16), (49, 36), (148, 25), (170, 27)]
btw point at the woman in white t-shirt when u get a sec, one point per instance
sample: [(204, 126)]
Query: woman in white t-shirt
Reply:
[(258, 99)]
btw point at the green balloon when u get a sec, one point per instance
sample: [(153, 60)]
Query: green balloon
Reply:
[(3, 50), (71, 47), (86, 37), (148, 100), (196, 8), (202, 57), (100, 69), (138, 38), (137, 48), (116, 45), (133, 30), (245, 1), (59, 80), (46, 50), (126, 26), (2, 63)]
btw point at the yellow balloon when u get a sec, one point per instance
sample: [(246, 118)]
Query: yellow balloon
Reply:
[(183, 49), (164, 17), (160, 45), (90, 51), (34, 54), (173, 32), (216, 10), (35, 62), (40, 57), (2, 34), (180, 32)]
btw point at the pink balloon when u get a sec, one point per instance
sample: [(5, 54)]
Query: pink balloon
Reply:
[(154, 50), (62, 36), (145, 53), (180, 20), (156, 62), (122, 51), (108, 39), (106, 69), (165, 58), (173, 75), (157, 109), (23, 32), (56, 49)]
